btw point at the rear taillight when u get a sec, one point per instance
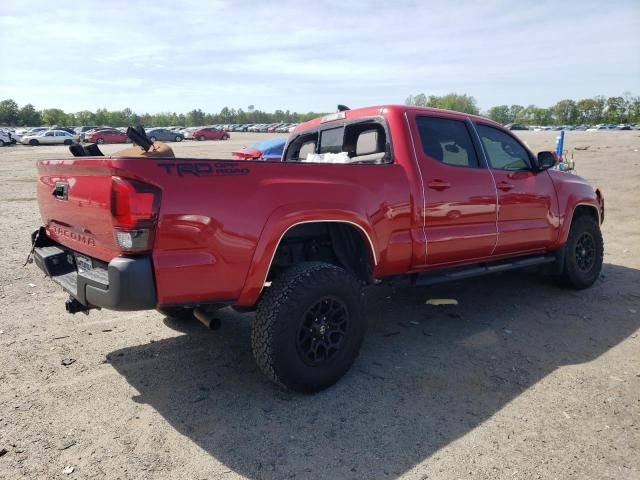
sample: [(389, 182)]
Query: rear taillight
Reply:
[(134, 208)]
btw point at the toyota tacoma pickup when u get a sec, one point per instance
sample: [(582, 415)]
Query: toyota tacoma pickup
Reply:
[(359, 196)]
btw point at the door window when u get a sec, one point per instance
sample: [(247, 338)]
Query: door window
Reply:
[(447, 141), (503, 151)]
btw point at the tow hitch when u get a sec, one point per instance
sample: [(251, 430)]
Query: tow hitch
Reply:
[(72, 305)]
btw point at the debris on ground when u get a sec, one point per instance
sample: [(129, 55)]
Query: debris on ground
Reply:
[(3, 452), (68, 470), (68, 361), (582, 148), (442, 301), (32, 285), (69, 444), (391, 334)]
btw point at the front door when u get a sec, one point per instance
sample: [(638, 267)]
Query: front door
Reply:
[(460, 211), (526, 219)]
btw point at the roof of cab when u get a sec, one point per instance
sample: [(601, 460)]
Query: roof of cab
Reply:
[(382, 110)]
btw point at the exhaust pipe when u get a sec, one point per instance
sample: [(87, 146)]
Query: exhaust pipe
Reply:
[(207, 319)]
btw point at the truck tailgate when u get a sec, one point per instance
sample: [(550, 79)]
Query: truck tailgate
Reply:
[(74, 197)]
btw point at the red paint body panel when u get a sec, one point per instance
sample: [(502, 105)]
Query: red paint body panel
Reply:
[(218, 228)]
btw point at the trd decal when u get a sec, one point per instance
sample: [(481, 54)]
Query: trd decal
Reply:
[(203, 169)]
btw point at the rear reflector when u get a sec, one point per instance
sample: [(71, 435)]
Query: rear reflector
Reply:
[(133, 240), (134, 208)]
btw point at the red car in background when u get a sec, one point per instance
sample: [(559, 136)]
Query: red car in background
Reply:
[(209, 133), (106, 135)]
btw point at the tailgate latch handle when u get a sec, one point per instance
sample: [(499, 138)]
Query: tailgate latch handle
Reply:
[(61, 191)]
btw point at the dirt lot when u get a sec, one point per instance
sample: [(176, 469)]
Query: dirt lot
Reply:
[(521, 380)]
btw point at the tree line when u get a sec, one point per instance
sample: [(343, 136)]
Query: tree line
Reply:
[(599, 109), (11, 114)]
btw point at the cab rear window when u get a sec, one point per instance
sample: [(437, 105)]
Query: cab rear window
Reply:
[(331, 140)]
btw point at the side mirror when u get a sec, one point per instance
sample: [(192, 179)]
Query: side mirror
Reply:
[(546, 160)]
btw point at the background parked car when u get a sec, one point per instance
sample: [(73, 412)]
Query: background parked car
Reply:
[(209, 133), (164, 135), (105, 135), (266, 150), (5, 138), (49, 137), (516, 126)]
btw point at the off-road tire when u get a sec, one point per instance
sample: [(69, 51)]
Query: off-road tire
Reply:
[(574, 275), (177, 313), (279, 321)]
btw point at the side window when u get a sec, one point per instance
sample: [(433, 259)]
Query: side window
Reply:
[(48, 134), (503, 151), (301, 147), (448, 141)]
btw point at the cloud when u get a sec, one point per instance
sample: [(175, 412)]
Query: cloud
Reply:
[(309, 56)]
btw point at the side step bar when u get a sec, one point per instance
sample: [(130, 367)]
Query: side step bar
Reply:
[(442, 276)]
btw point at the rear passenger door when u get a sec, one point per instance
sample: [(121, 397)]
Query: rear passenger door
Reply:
[(526, 219), (460, 205)]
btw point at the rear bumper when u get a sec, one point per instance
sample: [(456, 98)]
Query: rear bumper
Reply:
[(125, 283)]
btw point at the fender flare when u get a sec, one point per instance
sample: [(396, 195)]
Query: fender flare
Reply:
[(568, 219), (276, 227)]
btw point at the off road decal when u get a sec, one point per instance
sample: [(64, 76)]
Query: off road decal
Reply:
[(203, 169)]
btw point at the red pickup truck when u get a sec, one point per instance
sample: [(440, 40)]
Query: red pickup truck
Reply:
[(360, 195)]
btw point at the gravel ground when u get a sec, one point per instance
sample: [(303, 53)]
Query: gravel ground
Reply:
[(521, 380)]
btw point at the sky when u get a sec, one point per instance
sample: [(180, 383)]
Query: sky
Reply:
[(174, 56)]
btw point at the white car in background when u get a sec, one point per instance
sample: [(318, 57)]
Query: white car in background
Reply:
[(49, 137), (5, 138)]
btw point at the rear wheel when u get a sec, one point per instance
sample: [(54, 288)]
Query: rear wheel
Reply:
[(68, 142), (225, 137), (178, 138), (309, 326), (100, 141), (34, 142), (584, 252), (200, 138)]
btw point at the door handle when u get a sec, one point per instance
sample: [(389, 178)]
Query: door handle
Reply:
[(504, 186), (439, 185)]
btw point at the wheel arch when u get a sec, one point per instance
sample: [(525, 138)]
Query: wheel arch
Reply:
[(275, 233), (580, 209)]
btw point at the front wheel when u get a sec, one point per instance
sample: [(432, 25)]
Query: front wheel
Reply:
[(68, 142), (584, 252), (100, 141), (178, 138), (309, 326), (200, 138), (34, 142), (225, 137)]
